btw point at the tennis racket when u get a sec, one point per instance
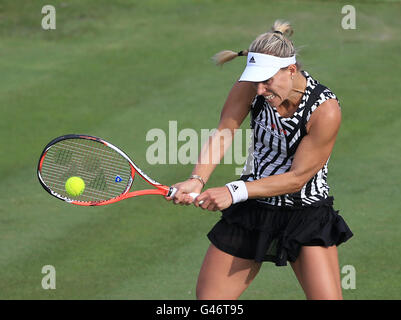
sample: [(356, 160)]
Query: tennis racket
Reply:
[(107, 171)]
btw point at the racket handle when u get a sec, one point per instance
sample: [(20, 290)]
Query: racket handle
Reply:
[(173, 190)]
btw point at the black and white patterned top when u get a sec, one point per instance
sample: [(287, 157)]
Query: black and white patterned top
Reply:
[(275, 140)]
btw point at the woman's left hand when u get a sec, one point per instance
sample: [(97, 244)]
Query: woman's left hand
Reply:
[(214, 199)]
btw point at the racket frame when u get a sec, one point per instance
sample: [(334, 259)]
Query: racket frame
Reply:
[(160, 189)]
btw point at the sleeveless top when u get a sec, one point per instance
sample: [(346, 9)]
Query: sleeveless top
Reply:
[(275, 141)]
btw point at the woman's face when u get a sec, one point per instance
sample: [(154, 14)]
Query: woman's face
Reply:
[(277, 88)]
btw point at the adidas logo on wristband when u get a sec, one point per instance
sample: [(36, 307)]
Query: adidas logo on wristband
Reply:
[(238, 191)]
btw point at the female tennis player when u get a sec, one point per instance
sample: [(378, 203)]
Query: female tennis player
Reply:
[(280, 209)]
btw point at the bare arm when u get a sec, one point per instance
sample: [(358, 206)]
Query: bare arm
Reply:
[(235, 110)]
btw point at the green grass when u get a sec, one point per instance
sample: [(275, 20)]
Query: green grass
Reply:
[(117, 69)]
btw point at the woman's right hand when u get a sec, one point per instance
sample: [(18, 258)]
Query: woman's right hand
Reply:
[(183, 189)]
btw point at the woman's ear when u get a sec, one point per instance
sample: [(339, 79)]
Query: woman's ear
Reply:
[(292, 68)]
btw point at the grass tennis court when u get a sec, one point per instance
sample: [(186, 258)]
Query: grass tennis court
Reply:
[(117, 69)]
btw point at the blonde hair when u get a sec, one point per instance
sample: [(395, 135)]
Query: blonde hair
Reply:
[(275, 42)]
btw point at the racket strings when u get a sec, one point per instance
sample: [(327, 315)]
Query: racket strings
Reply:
[(106, 173)]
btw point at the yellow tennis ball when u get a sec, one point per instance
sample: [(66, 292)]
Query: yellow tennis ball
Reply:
[(74, 186)]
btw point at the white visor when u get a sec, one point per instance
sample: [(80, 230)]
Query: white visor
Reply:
[(261, 67)]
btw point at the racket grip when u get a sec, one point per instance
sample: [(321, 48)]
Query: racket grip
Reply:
[(173, 190)]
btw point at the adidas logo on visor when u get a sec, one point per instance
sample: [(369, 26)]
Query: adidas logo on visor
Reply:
[(252, 60)]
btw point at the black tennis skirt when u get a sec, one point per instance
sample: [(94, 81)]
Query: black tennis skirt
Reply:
[(261, 232)]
